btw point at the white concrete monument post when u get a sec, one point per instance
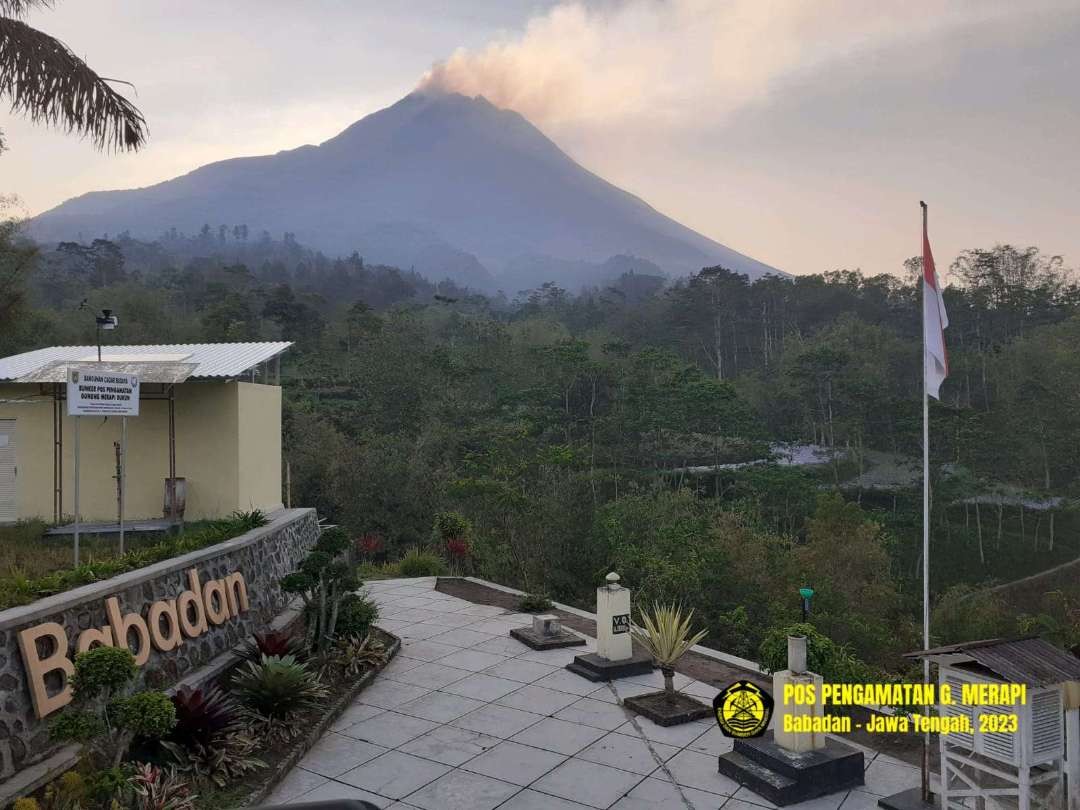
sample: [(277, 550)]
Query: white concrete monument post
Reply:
[(614, 656), (613, 640), (794, 680)]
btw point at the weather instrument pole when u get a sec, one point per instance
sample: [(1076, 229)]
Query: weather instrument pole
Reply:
[(925, 521), (122, 471), (78, 419)]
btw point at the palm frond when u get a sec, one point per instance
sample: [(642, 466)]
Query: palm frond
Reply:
[(51, 85), (666, 633), (20, 8)]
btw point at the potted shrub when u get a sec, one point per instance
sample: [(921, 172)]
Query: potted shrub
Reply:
[(665, 633)]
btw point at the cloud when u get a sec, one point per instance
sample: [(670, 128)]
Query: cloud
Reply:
[(672, 63)]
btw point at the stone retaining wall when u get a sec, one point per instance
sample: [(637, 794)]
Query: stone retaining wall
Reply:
[(263, 556)]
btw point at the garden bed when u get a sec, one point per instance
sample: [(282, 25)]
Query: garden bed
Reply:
[(33, 566), (279, 762)]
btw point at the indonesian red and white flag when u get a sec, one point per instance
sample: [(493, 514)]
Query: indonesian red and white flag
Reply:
[(935, 358)]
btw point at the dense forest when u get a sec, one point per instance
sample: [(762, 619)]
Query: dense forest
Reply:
[(717, 442)]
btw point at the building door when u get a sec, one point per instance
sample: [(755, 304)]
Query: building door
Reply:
[(8, 472)]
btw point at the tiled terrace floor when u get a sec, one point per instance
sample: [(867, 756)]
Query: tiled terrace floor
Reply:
[(466, 718)]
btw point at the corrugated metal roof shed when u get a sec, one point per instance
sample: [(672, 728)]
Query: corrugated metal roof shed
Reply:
[(1033, 661), (217, 360)]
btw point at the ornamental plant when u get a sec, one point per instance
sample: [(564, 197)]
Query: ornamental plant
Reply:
[(324, 579), (666, 635), (105, 715), (277, 687)]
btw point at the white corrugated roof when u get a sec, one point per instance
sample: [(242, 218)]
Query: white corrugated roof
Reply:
[(210, 359)]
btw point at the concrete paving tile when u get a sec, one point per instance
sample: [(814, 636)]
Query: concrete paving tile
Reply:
[(389, 729), (482, 687), (699, 689), (657, 792), (515, 669), (484, 610), (400, 663), (386, 694), (450, 745), (335, 754), (354, 714), (564, 680), (627, 753), (537, 699), (450, 620), (531, 800), (498, 721), (696, 770), (680, 736), (511, 762), (465, 790), (655, 679), (412, 602), (427, 650), (503, 646), (431, 676), (462, 637), (588, 783), (555, 658), (886, 776), (560, 736), (296, 783), (594, 713), (712, 742), (440, 707), (336, 791), (394, 774), (623, 690), (471, 660), (419, 631)]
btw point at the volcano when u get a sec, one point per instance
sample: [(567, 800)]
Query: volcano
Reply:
[(448, 185)]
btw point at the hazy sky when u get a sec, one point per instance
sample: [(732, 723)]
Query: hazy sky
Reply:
[(801, 133)]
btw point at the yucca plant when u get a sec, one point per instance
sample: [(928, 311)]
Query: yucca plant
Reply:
[(666, 635)]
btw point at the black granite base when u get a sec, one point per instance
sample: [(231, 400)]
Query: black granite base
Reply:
[(668, 710), (910, 799), (595, 668), (786, 778), (539, 642)]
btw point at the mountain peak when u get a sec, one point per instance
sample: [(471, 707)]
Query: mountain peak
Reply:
[(439, 181)]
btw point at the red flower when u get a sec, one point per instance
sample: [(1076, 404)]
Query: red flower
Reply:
[(369, 543), (457, 547)]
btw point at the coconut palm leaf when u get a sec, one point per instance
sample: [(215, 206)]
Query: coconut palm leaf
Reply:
[(19, 8), (48, 83)]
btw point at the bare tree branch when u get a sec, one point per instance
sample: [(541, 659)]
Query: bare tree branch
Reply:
[(51, 85)]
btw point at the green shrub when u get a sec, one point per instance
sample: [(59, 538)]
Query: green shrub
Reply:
[(421, 564), (102, 715), (146, 714), (534, 603), (834, 662), (355, 616), (276, 687), (25, 803), (332, 541), (102, 670)]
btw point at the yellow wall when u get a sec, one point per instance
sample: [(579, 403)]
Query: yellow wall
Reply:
[(228, 447), (260, 447)]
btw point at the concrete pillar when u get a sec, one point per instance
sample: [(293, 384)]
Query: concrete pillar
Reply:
[(793, 681), (613, 640)]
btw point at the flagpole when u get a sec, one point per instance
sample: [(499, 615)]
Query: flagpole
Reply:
[(926, 530)]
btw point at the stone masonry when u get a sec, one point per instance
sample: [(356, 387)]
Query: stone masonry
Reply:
[(263, 556)]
